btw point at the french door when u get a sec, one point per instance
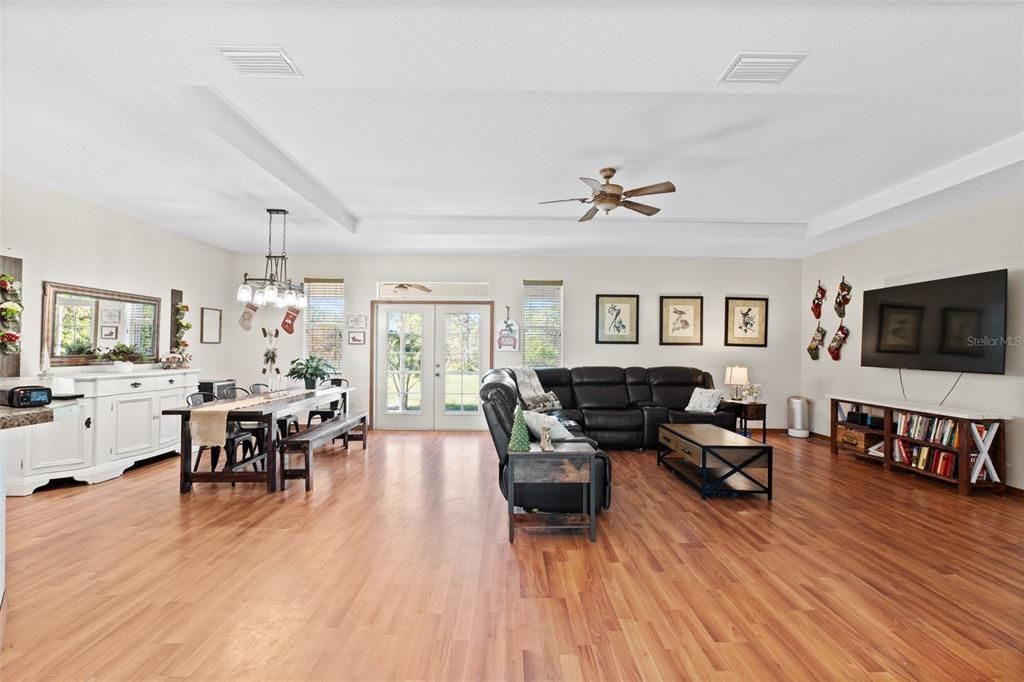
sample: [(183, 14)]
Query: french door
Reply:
[(429, 358)]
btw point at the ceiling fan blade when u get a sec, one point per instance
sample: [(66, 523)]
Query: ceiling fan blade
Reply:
[(588, 215), (559, 201), (593, 184), (639, 208), (421, 288), (660, 188)]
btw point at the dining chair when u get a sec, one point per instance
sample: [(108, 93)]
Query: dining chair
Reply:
[(234, 437), (284, 424), (254, 428), (335, 407)]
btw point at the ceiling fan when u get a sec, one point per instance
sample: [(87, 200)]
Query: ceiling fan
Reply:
[(403, 287), (607, 196)]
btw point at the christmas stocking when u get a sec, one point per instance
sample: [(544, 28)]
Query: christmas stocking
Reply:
[(835, 348), (843, 297), (814, 347), (819, 298), (288, 323), (245, 321)]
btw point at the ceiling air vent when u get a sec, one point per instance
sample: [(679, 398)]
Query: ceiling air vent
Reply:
[(259, 61), (762, 67)]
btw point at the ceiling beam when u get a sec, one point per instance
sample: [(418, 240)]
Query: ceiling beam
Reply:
[(219, 115)]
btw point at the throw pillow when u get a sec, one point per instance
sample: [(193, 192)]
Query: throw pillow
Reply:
[(535, 422), (705, 400), (543, 403)]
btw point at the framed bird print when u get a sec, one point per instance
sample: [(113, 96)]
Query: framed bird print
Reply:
[(617, 316), (746, 321), (681, 321)]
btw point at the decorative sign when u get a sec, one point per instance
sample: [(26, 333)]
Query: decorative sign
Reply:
[(507, 338)]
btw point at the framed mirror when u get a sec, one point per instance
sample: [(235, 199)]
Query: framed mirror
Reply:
[(78, 320)]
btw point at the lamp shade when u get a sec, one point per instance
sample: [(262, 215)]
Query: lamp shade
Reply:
[(244, 293), (736, 375)]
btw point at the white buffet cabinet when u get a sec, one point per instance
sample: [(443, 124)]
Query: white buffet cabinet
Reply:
[(117, 423)]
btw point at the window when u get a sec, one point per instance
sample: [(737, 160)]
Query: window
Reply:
[(542, 323), (325, 319)]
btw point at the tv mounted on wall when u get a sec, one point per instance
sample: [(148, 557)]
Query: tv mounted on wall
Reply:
[(952, 325)]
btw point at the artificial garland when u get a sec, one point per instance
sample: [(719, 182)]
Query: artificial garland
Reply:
[(10, 314)]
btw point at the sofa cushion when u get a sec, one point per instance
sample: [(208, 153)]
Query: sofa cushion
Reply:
[(559, 381), (613, 420), (638, 387), (599, 387), (568, 415), (684, 417), (673, 386)]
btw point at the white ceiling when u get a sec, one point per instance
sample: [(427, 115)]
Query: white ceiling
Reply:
[(439, 126)]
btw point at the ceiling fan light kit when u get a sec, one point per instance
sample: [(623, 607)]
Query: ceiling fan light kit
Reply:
[(607, 196)]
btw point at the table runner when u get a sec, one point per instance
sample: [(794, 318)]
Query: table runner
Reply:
[(209, 423)]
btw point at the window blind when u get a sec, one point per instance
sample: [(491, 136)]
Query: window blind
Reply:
[(138, 328), (542, 323), (325, 319)]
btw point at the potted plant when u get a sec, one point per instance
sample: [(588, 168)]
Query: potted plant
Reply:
[(10, 314), (311, 370), (122, 355)]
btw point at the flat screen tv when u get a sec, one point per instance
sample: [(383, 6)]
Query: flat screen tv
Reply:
[(953, 325)]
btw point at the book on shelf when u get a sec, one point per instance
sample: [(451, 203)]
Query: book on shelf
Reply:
[(925, 458), (940, 430)]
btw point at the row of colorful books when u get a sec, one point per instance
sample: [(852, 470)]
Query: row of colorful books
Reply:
[(934, 429), (941, 462)]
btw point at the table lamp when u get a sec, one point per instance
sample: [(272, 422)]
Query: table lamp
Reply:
[(736, 377)]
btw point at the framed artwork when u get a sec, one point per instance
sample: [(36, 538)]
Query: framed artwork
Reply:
[(110, 316), (746, 322), (357, 338), (210, 325), (617, 316), (356, 322), (108, 332), (900, 329), (960, 329), (681, 320)]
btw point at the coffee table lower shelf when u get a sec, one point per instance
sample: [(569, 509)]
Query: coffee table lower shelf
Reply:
[(733, 485)]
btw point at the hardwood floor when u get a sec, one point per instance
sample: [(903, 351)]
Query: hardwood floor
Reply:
[(397, 566)]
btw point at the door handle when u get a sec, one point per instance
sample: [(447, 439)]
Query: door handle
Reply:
[(170, 381), (88, 422), (136, 384), (437, 374)]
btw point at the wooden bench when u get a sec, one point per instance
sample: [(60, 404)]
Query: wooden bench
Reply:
[(325, 432)]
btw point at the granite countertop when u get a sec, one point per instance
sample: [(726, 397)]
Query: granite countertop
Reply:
[(13, 417)]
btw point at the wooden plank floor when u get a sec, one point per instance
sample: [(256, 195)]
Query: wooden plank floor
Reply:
[(397, 566)]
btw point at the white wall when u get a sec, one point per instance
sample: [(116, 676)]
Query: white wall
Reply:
[(64, 239), (988, 236), (775, 367)]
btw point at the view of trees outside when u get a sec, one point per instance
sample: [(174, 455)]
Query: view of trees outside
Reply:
[(74, 329), (138, 327), (405, 362), (542, 326), (462, 362)]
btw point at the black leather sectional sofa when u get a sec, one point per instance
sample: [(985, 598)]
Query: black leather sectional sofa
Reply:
[(622, 407)]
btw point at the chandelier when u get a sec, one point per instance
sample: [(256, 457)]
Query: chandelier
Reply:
[(275, 287)]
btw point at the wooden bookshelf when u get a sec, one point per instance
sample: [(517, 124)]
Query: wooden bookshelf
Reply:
[(955, 437)]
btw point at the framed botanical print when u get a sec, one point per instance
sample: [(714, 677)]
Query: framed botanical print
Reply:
[(746, 321), (209, 325), (681, 320), (617, 317)]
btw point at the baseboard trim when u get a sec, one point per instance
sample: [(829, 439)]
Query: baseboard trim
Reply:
[(3, 617)]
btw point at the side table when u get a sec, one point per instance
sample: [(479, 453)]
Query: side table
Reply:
[(747, 412), (569, 463)]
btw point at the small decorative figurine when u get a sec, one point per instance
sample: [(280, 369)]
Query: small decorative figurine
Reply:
[(545, 439)]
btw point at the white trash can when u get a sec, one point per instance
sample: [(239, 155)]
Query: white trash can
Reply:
[(799, 409)]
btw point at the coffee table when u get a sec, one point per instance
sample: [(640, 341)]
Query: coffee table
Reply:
[(714, 460)]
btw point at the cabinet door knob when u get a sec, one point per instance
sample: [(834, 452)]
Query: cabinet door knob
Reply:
[(170, 381), (136, 384), (88, 422)]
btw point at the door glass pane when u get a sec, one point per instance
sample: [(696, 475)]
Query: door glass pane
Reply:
[(461, 362), (405, 362)]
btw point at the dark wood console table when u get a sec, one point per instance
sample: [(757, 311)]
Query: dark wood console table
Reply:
[(569, 463)]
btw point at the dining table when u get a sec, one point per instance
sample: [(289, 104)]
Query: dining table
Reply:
[(264, 409)]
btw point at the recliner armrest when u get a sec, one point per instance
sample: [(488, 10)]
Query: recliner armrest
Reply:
[(645, 403), (576, 439), (653, 416)]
